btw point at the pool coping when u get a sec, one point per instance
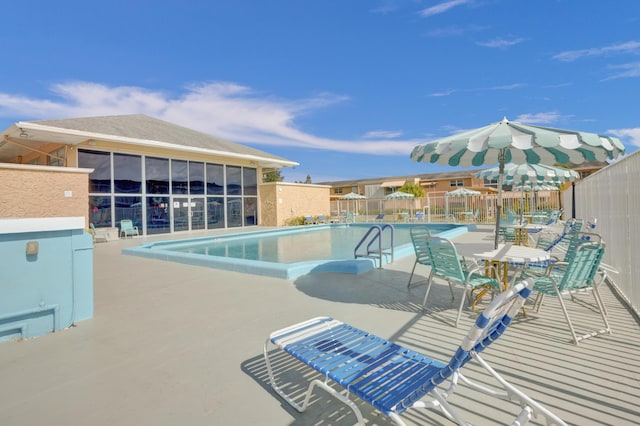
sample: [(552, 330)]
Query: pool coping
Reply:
[(272, 269)]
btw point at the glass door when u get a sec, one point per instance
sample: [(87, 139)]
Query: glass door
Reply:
[(196, 214), (180, 214), (188, 213)]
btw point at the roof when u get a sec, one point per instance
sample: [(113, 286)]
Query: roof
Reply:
[(458, 174), (136, 129)]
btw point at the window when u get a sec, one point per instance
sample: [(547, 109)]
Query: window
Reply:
[(196, 177), (179, 177), (100, 162), (234, 180), (157, 175), (52, 161), (215, 179), (337, 191), (491, 182), (100, 211), (127, 174), (249, 181), (456, 183)]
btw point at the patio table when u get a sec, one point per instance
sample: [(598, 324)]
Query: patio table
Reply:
[(500, 259), (507, 254), (522, 231)]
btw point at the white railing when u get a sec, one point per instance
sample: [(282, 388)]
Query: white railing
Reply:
[(438, 208), (612, 195)]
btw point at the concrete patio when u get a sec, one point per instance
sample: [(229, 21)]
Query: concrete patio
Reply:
[(174, 344)]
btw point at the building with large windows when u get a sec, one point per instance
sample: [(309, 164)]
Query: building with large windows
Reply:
[(165, 178)]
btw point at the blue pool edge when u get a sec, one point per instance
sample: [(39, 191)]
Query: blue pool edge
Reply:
[(272, 269)]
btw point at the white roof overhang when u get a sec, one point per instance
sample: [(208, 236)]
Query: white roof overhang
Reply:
[(22, 135)]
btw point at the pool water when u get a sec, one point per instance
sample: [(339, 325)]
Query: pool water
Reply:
[(287, 252), (319, 243)]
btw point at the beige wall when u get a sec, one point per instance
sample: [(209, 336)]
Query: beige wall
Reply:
[(42, 191), (280, 201)]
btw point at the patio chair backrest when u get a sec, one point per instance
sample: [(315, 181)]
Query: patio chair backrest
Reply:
[(126, 225), (489, 326), (445, 261), (419, 237), (580, 272), (576, 241)]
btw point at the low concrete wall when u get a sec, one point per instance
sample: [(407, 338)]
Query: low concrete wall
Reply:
[(280, 201), (49, 283)]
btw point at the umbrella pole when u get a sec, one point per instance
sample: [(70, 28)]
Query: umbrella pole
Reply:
[(501, 158)]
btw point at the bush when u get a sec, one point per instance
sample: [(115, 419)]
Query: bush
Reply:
[(295, 221)]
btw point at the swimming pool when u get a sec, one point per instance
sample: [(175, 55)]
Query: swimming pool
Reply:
[(284, 253)]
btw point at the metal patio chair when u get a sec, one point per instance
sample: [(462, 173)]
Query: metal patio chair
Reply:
[(419, 236), (447, 265), (578, 275), (394, 379), (127, 229)]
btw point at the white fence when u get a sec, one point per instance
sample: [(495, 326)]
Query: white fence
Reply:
[(612, 195), (439, 208)]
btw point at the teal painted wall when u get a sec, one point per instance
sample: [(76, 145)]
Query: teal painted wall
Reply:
[(47, 291)]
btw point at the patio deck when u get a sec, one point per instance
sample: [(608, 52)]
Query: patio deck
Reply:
[(173, 344)]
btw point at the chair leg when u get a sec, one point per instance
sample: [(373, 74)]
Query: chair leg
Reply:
[(464, 295), (566, 316), (602, 308), (426, 295), (412, 271)]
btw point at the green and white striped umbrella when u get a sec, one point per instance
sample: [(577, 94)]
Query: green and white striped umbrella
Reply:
[(535, 187), (510, 142), (523, 173)]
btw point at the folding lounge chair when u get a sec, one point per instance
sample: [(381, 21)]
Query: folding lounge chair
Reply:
[(393, 379), (322, 219), (308, 220), (419, 236)]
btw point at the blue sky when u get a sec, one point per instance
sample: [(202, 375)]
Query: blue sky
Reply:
[(346, 88)]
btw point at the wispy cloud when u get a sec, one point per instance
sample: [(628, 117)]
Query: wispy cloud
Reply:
[(500, 43), (626, 47), (443, 7), (383, 134), (629, 136), (541, 118), (449, 92), (223, 109), (625, 71)]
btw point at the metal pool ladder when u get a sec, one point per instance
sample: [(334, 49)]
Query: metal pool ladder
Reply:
[(375, 248)]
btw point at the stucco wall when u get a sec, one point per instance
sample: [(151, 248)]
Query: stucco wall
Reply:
[(43, 191), (280, 201)]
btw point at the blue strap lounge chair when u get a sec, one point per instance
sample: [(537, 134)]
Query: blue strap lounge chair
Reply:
[(380, 217), (322, 219), (394, 379), (309, 220)]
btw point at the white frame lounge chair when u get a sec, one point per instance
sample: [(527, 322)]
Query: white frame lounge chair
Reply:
[(394, 379), (127, 228)]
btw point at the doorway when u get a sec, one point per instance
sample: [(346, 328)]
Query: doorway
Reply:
[(188, 213)]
